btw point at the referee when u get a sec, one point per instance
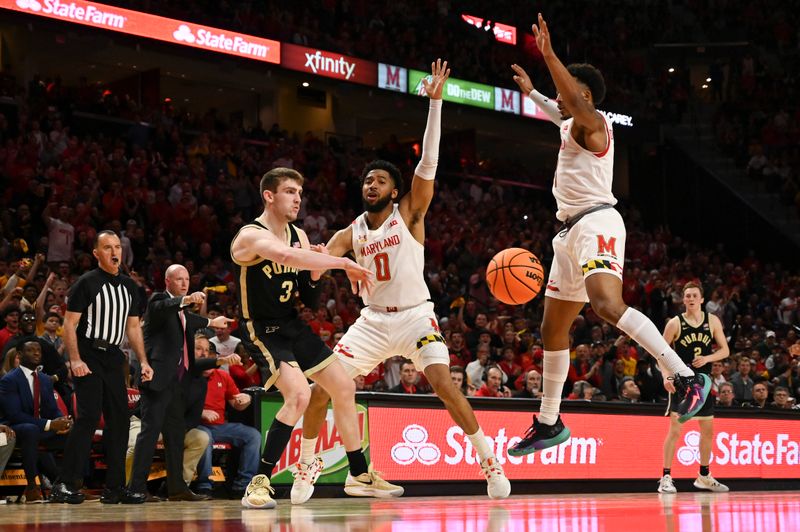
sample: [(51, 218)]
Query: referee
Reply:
[(101, 308)]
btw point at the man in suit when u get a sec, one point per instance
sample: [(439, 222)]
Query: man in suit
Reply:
[(53, 365), (30, 409), (169, 343)]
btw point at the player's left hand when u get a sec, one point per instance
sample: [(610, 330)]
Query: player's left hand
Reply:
[(542, 35), (439, 75), (699, 362)]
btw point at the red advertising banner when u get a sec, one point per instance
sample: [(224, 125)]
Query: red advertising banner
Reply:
[(329, 64), (151, 26), (416, 443), (502, 32)]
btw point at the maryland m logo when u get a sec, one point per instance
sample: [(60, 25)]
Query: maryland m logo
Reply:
[(606, 247)]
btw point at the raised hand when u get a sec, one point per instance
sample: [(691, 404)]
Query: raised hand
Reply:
[(522, 79), (439, 75), (542, 35)]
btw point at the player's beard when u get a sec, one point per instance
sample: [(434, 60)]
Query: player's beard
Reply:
[(378, 206)]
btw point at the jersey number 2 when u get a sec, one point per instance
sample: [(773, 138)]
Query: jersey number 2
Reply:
[(382, 267)]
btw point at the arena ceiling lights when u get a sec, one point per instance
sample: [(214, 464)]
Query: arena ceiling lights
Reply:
[(310, 60)]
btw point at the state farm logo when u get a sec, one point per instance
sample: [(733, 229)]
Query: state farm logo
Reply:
[(184, 34), (690, 453), (33, 5), (318, 62), (415, 447), (71, 11), (207, 38)]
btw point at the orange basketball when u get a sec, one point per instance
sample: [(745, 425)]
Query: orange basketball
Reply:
[(515, 276)]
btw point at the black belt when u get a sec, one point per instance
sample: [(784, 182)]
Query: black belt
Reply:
[(567, 225), (102, 345)]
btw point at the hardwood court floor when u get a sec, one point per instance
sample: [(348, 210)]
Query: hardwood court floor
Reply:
[(771, 511)]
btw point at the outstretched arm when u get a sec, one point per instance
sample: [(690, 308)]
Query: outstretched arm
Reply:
[(414, 205), (570, 92), (547, 105)]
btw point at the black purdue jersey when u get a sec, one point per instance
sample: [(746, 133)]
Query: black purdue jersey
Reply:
[(693, 342), (266, 289)]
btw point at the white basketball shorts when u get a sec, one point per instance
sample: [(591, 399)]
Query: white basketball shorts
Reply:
[(596, 244), (377, 336)]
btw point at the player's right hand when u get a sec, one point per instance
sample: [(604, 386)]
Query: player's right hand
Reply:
[(522, 79), (542, 35), (359, 274), (669, 385)]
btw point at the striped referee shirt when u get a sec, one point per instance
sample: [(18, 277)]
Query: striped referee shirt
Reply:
[(105, 302)]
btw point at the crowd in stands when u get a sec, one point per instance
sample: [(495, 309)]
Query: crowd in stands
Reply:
[(177, 191)]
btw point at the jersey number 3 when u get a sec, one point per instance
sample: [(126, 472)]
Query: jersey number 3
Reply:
[(288, 286), (382, 267)]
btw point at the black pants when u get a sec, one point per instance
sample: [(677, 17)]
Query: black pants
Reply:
[(162, 412), (34, 460), (102, 391)]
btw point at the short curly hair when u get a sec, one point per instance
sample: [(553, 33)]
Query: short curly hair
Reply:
[(590, 76)]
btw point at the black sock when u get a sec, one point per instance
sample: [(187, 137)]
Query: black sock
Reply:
[(358, 462), (277, 438), (666, 471), (704, 470)]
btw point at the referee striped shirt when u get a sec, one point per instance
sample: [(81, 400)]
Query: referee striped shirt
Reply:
[(105, 303)]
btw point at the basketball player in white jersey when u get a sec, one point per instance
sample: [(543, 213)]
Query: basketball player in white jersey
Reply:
[(589, 249), (398, 319)]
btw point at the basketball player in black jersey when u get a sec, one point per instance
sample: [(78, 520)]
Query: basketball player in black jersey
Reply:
[(274, 259), (693, 334)]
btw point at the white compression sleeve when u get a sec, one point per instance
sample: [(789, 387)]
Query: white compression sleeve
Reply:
[(641, 329), (547, 105), (554, 374), (426, 168)]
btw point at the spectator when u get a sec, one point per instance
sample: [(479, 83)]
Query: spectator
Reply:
[(221, 390), (459, 376), (629, 391), (61, 233), (11, 318), (726, 395), (717, 376), (781, 398), (225, 343), (508, 364), (477, 368), (30, 409), (533, 385), (52, 323), (459, 354), (760, 393), (408, 379), (493, 383), (614, 373), (742, 383)]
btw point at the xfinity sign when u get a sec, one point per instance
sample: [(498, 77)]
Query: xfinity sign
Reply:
[(329, 64)]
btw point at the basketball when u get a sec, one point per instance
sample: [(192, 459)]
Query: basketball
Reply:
[(515, 276)]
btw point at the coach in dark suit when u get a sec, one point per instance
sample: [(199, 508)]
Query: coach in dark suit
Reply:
[(169, 343), (30, 409)]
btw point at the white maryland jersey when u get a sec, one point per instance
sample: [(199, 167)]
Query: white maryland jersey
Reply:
[(583, 178), (395, 257)]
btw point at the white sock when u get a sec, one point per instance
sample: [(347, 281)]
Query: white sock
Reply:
[(480, 444), (641, 329), (308, 450), (554, 375)]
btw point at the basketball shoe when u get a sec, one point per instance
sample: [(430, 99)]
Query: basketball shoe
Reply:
[(259, 494), (305, 475), (665, 485), (370, 484), (498, 486), (540, 436), (707, 482), (694, 390)]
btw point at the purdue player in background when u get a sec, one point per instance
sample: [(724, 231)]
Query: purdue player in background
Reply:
[(274, 260), (589, 251), (693, 333), (398, 319)]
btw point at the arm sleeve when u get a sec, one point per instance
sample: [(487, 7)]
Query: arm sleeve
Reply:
[(548, 106), (309, 292), (426, 169)]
